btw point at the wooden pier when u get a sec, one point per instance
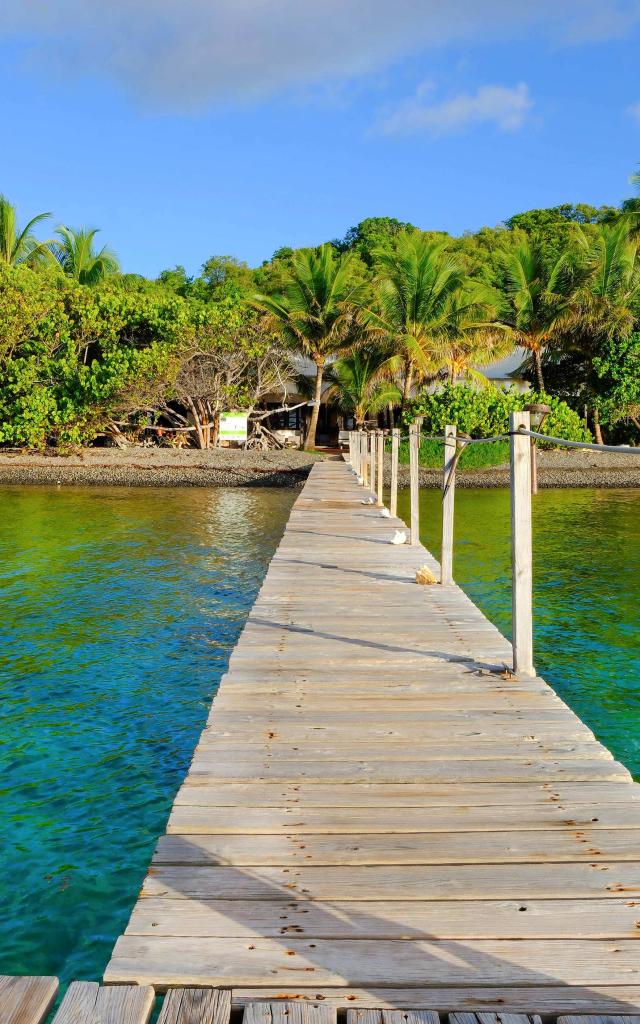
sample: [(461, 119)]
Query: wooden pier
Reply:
[(379, 814)]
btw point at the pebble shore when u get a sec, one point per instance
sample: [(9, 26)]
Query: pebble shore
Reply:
[(225, 467)]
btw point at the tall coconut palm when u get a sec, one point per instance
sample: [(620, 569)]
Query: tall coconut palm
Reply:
[(361, 384), (19, 245), (539, 298), (606, 302), (416, 281), (315, 312), (79, 259), (474, 336)]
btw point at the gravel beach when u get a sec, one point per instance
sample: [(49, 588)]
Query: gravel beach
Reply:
[(226, 467), (159, 467)]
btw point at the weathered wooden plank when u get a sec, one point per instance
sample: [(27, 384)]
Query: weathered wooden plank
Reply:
[(384, 1016), (196, 1006), (85, 1002), (398, 882), (197, 790), (428, 771), (488, 1017), (549, 999), (281, 1011), (574, 845), (209, 819), (607, 1018), (26, 1000), (478, 919), (179, 961)]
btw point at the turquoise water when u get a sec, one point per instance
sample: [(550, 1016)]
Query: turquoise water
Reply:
[(119, 608), (586, 593)]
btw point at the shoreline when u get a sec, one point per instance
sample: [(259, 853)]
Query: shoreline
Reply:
[(226, 467)]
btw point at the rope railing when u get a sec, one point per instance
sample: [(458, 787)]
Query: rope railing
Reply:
[(365, 451), (620, 449)]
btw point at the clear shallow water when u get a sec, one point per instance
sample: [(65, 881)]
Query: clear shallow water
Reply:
[(119, 609), (586, 593)]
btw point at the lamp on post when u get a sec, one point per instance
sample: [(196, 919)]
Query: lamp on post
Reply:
[(538, 412)]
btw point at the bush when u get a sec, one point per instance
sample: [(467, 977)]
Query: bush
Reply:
[(485, 412)]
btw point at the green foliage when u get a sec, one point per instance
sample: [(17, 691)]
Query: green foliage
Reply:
[(474, 456), (69, 354), (79, 259), (617, 367), (485, 413)]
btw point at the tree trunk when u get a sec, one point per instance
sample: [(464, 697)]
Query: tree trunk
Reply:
[(310, 439), (596, 427), (537, 363), (407, 383)]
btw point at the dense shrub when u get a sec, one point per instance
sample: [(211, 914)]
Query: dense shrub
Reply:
[(484, 412)]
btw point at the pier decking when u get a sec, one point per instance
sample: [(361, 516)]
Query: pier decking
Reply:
[(379, 814)]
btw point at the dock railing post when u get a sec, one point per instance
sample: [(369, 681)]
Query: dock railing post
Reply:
[(414, 482), (372, 461), (365, 458), (521, 545), (448, 504), (380, 468), (361, 455), (395, 447)]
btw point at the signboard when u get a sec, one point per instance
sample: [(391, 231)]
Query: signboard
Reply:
[(233, 426)]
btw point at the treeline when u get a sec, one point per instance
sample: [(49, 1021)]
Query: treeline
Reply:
[(386, 314)]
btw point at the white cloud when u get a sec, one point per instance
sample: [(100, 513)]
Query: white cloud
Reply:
[(182, 53), (504, 107)]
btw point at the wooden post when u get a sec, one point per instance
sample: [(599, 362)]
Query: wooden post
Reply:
[(395, 445), (380, 468), (360, 455), (534, 465), (372, 462), (448, 504), (521, 546), (414, 481), (365, 458)]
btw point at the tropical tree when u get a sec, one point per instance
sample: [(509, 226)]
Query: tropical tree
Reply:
[(605, 306), (417, 281), (361, 382), (19, 245), (314, 313), (539, 296), (77, 255), (474, 335)]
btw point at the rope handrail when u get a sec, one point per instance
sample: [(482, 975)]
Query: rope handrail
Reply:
[(620, 449), (461, 441)]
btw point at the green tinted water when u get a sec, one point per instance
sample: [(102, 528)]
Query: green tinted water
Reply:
[(119, 608), (586, 593)]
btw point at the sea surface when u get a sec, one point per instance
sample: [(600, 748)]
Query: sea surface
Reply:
[(119, 610), (586, 547)]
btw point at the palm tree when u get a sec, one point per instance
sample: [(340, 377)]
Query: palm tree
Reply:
[(78, 258), (315, 312), (606, 302), (20, 245), (360, 382), (474, 336), (416, 282), (539, 297)]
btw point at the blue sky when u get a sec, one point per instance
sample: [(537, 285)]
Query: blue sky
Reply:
[(235, 126)]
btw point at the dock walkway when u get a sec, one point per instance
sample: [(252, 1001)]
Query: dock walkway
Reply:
[(379, 814)]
